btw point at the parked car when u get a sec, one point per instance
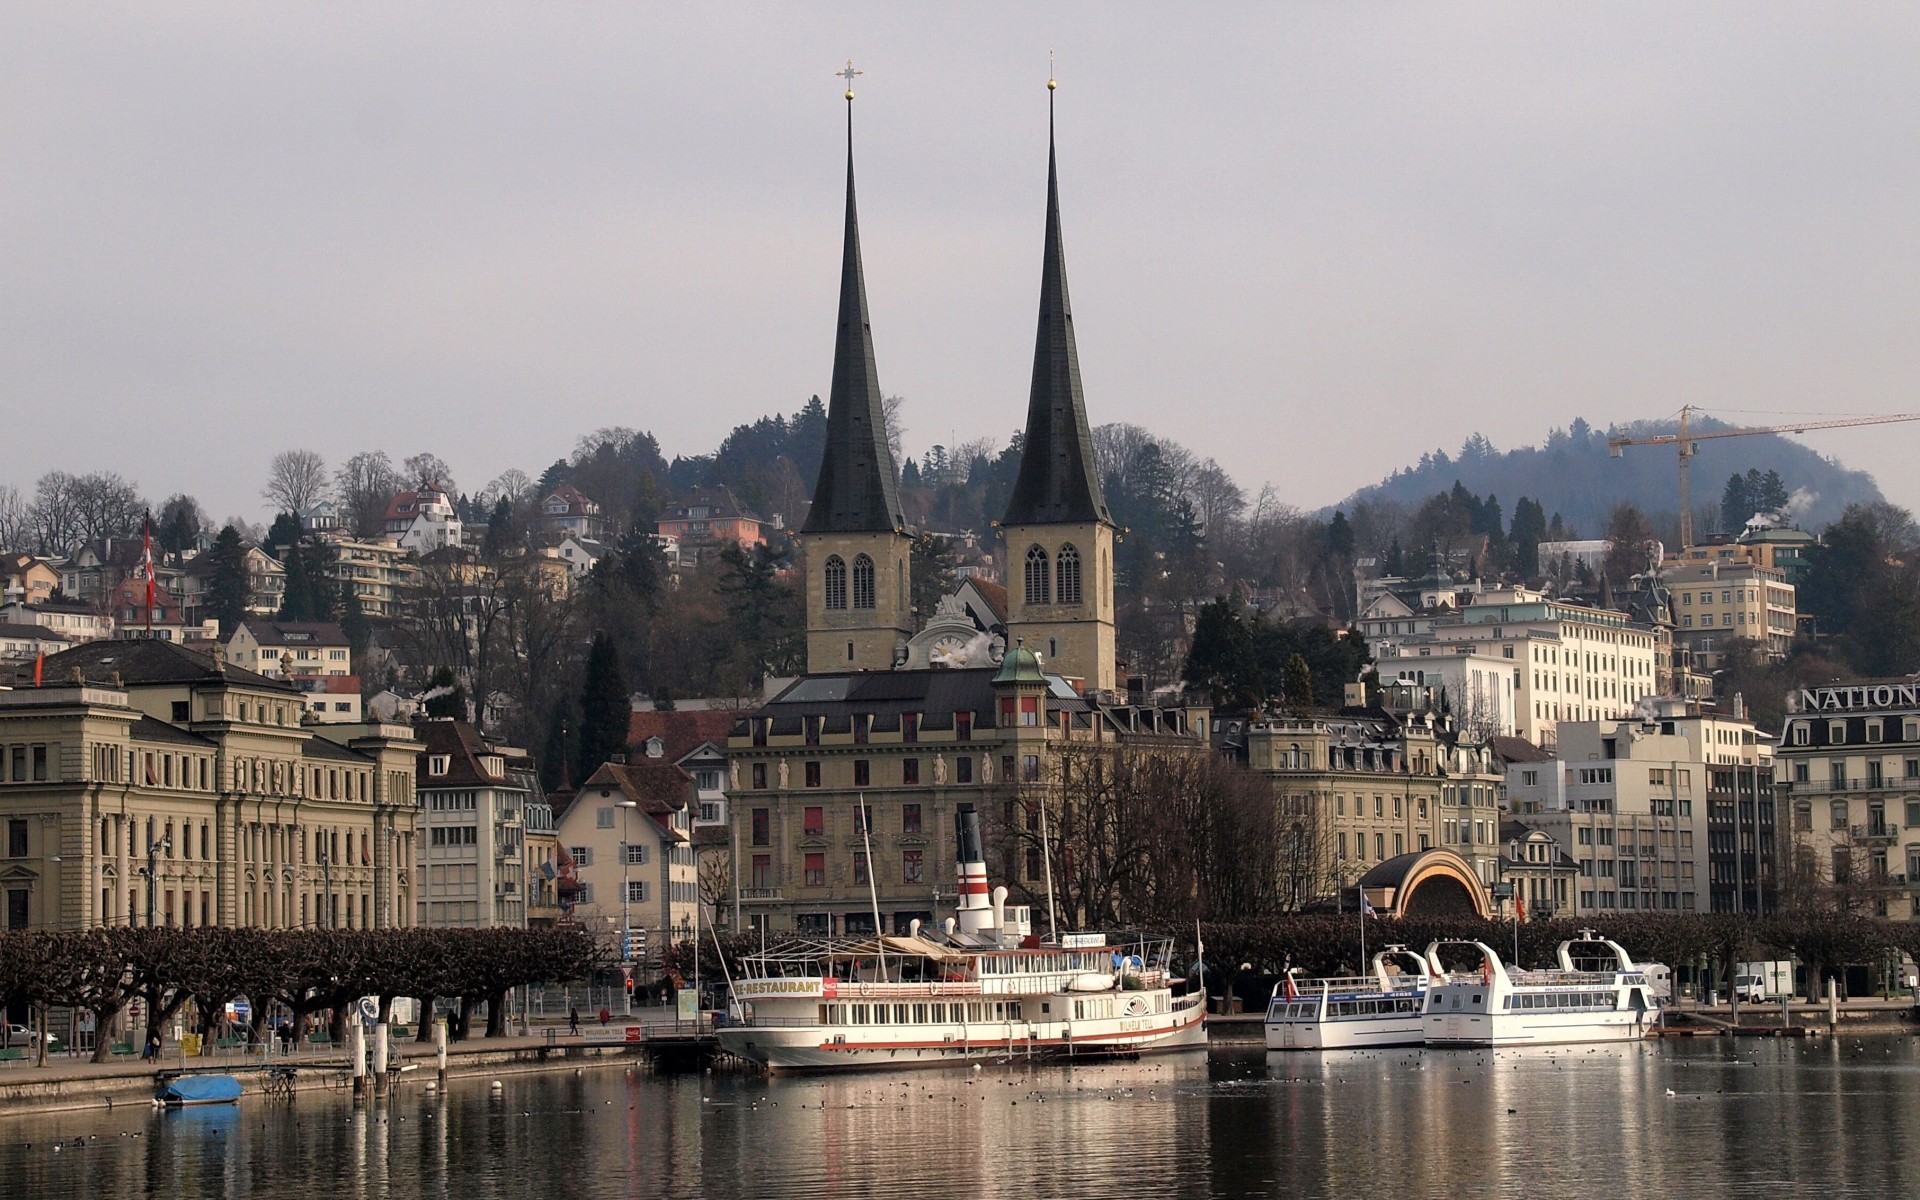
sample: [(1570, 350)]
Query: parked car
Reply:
[(20, 1035), (1749, 989)]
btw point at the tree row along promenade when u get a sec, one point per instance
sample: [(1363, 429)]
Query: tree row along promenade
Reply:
[(105, 971)]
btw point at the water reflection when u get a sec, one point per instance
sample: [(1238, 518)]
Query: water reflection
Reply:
[(1743, 1118)]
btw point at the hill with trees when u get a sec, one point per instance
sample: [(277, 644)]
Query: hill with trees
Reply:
[(1576, 476)]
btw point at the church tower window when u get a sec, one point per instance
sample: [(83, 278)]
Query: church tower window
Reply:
[(863, 582), (1037, 580), (1067, 574), (836, 580)]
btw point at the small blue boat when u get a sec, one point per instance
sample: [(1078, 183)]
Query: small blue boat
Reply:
[(201, 1089)]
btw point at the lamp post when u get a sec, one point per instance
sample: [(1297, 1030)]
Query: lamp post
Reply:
[(326, 884), (154, 850), (626, 919)]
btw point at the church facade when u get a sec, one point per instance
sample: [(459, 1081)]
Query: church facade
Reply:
[(843, 786)]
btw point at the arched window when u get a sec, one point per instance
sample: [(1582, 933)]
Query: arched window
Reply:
[(1066, 570), (863, 582), (1037, 580), (836, 579)]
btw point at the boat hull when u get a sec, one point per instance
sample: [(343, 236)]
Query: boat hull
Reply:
[(883, 1047), (190, 1090), (1473, 1029), (1379, 1032)]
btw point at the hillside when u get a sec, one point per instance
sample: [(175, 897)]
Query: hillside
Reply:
[(1575, 476)]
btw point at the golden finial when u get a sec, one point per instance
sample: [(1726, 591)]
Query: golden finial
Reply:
[(1052, 83), (849, 74)]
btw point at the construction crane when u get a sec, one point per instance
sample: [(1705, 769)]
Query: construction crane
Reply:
[(1685, 439)]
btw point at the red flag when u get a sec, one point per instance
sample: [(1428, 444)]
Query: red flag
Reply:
[(1293, 993), (39, 663), (1519, 907), (146, 565)]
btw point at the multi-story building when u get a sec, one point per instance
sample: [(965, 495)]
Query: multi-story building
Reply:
[(628, 834), (266, 583), (78, 621), (712, 517), (1718, 603), (844, 785), (543, 861), (381, 575), (567, 512), (472, 828), (1850, 758), (1674, 812), (1540, 876), (1783, 549), (423, 519), (24, 642), (28, 578), (285, 649), (1571, 662), (1482, 689), (147, 783), (1370, 786)]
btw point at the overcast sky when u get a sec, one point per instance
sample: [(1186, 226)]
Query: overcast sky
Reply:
[(1310, 240)]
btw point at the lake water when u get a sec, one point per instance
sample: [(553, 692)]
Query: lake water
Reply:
[(1748, 1118)]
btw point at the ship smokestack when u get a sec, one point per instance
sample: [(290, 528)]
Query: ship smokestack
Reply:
[(973, 908)]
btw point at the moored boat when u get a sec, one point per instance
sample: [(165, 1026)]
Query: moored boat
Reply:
[(1384, 1008), (983, 987), (1596, 998), (184, 1090)]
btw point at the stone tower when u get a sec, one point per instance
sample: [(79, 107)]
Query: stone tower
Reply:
[(1058, 532), (855, 545)]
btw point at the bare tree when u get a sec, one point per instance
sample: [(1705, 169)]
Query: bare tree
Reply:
[(295, 480), (514, 486), (16, 520), (427, 470), (364, 487), (891, 407), (104, 505)]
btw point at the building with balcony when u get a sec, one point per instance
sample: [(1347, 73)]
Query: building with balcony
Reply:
[(628, 836), (1718, 603), (1850, 763), (471, 845)]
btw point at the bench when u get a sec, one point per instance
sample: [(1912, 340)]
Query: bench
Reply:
[(320, 1041), (13, 1056), (124, 1049)]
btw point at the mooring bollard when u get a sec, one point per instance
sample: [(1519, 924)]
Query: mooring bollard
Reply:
[(1833, 1007), (357, 1054), (380, 1052), (440, 1047)]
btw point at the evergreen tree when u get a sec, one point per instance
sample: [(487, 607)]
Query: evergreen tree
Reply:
[(930, 574), (1736, 503), (311, 594), (1394, 563), (285, 531), (663, 699), (180, 524), (1340, 540), (1220, 660), (767, 617), (1529, 529), (354, 623), (605, 709), (452, 698), (504, 534), (229, 590), (1299, 682)]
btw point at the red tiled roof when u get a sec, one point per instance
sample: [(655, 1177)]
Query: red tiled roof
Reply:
[(679, 732), (659, 788)]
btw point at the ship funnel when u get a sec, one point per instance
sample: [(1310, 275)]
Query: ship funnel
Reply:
[(973, 908)]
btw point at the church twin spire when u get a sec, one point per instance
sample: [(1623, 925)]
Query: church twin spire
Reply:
[(1058, 482), (857, 490)]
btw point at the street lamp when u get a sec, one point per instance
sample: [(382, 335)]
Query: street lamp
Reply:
[(154, 850), (626, 921), (326, 884)]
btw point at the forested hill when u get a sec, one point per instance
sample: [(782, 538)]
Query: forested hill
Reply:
[(1575, 476)]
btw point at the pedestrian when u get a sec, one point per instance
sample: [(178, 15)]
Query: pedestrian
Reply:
[(573, 1019), (153, 1046), (605, 1015)]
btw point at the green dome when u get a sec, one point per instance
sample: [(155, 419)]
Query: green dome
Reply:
[(1020, 665)]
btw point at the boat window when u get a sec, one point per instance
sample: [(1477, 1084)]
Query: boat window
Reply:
[(899, 1014), (919, 1014), (1013, 1011)]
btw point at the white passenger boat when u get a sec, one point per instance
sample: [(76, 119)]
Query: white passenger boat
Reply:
[(1596, 998), (984, 987), (1385, 1008)]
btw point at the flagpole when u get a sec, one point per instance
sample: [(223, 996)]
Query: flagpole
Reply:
[(146, 560)]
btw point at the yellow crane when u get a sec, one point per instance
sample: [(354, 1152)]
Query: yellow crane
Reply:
[(1685, 439)]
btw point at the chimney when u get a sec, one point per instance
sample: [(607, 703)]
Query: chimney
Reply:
[(973, 907), (1739, 707)]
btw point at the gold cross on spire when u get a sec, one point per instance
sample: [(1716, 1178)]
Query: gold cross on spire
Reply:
[(849, 74)]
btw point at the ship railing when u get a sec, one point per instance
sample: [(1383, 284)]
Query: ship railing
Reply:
[(861, 990), (1562, 979), (776, 1022), (1309, 988)]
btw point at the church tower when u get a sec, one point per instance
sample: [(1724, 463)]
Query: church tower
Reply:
[(1058, 531), (855, 544)]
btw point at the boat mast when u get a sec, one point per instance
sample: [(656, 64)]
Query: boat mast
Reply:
[(1046, 862), (873, 891)]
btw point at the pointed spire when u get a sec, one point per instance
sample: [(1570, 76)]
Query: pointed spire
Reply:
[(1058, 481), (856, 491)]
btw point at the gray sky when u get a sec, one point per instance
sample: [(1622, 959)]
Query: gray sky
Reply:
[(1311, 240)]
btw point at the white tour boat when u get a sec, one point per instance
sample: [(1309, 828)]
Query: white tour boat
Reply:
[(1386, 1008), (1597, 999), (983, 988)]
